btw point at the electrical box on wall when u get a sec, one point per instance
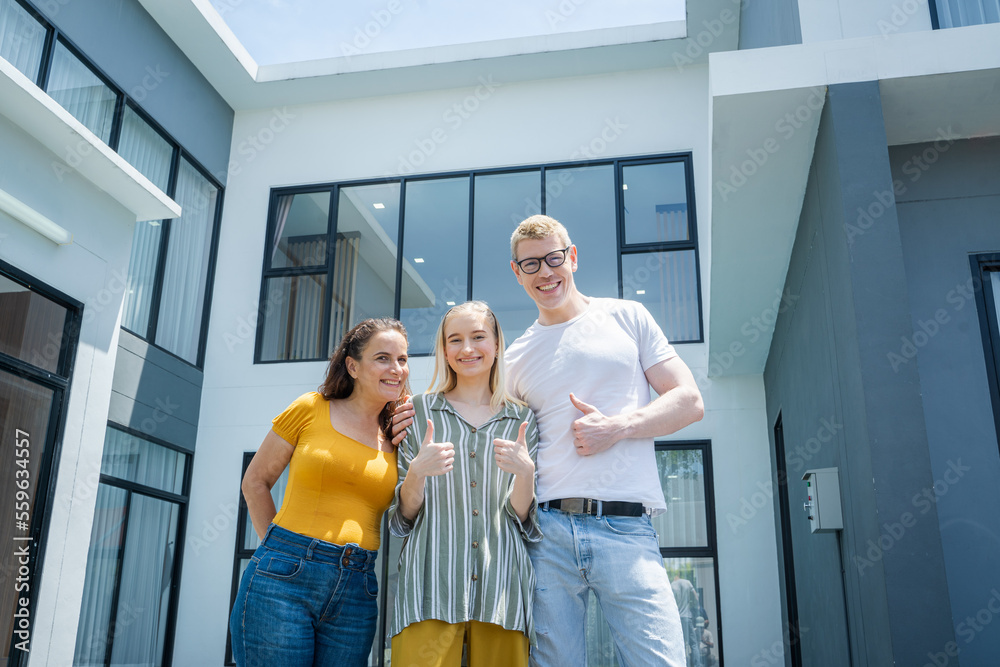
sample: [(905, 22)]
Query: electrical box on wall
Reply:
[(823, 500)]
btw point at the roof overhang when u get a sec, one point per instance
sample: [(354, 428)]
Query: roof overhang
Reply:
[(766, 105), (196, 27), (31, 109)]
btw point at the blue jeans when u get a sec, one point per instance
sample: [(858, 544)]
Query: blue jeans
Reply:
[(305, 602), (618, 558)]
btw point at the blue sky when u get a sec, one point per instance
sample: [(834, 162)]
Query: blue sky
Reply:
[(277, 31)]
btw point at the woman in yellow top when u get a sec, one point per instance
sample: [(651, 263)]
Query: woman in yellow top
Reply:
[(308, 596)]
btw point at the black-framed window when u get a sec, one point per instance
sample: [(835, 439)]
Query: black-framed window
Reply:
[(414, 246), (957, 13), (688, 546), (39, 332), (986, 286), (168, 294), (129, 607)]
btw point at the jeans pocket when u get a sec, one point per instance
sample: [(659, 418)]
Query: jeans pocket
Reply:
[(279, 566), (632, 526), (371, 585)]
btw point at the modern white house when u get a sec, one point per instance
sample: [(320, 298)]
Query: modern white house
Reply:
[(806, 195)]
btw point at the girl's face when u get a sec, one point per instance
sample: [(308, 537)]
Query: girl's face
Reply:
[(382, 369), (469, 344)]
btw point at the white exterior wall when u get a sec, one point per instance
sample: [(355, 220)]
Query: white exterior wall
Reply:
[(90, 270), (827, 20), (516, 124)]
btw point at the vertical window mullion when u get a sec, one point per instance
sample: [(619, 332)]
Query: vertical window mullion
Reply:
[(399, 249), (45, 66), (472, 234), (620, 224), (331, 258), (161, 257)]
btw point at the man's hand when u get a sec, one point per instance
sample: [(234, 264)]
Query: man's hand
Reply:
[(434, 458), (513, 457), (401, 419), (594, 432)]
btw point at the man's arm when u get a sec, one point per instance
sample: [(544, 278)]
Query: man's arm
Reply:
[(679, 404)]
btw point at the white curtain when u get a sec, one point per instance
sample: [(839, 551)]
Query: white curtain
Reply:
[(955, 13), (102, 570), (145, 149), (22, 38), (684, 524), (141, 274), (81, 92), (136, 460), (182, 300), (144, 595)]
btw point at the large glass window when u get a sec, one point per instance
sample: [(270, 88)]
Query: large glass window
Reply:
[(185, 276), (436, 260), (75, 86), (38, 334), (631, 220), (22, 38), (132, 563), (986, 283), (145, 148), (687, 543), (956, 13)]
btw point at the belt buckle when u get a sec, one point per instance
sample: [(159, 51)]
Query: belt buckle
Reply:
[(575, 505)]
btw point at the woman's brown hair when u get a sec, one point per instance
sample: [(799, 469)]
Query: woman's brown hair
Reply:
[(340, 384)]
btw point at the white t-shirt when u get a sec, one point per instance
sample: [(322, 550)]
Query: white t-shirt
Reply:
[(601, 356)]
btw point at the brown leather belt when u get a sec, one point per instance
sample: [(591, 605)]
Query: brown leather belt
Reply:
[(595, 507)]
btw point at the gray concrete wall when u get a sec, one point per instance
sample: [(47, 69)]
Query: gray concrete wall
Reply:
[(766, 23), (948, 199), (155, 393), (842, 405), (122, 39)]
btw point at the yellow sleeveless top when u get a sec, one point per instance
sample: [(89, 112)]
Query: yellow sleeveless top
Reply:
[(338, 488)]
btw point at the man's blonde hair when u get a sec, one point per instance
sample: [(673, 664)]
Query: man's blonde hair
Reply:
[(538, 227)]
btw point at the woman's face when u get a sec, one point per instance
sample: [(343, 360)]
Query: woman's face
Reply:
[(382, 371), (469, 344)]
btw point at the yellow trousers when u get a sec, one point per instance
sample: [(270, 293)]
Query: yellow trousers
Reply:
[(434, 643)]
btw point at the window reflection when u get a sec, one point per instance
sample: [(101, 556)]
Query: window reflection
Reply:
[(436, 261), (501, 202), (667, 284), (300, 230), (655, 203)]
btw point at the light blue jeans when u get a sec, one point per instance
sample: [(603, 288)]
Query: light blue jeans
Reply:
[(303, 602), (618, 558)]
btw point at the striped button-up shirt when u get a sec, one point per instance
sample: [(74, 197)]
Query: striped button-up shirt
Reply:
[(463, 558)]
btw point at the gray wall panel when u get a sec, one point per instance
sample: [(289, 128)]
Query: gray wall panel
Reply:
[(766, 23), (952, 209), (121, 38), (834, 363), (155, 393)]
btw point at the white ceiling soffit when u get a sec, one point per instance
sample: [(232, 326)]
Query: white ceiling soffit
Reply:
[(31, 109), (199, 31), (931, 82)]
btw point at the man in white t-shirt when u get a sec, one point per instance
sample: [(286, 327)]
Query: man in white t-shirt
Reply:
[(585, 368)]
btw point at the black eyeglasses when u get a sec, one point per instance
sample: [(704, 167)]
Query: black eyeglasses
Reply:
[(555, 258)]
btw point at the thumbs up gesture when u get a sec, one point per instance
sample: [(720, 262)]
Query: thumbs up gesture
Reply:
[(513, 457), (434, 458), (593, 432)]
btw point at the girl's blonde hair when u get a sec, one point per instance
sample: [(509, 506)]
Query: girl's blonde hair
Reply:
[(445, 379)]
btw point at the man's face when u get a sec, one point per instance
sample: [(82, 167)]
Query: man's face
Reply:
[(551, 287)]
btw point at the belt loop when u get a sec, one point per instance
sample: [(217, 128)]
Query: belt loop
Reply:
[(267, 533), (310, 549), (600, 508)]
